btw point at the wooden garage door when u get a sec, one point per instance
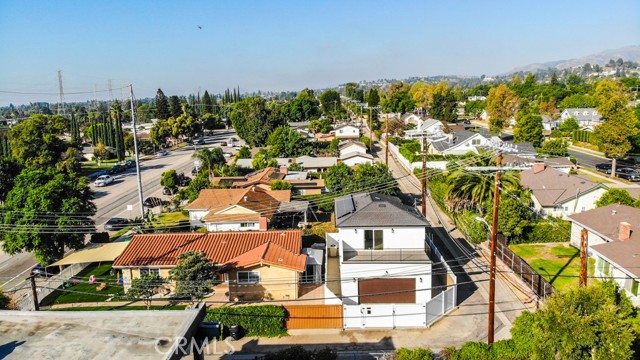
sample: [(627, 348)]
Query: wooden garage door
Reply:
[(314, 316), (401, 291)]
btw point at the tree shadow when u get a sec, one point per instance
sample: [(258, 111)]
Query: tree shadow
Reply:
[(7, 349), (563, 268)]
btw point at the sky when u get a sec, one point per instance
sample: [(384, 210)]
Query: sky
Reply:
[(286, 45)]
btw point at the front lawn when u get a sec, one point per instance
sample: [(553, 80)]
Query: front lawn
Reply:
[(85, 292), (558, 263)]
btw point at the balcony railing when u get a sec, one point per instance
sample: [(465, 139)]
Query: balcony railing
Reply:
[(386, 255)]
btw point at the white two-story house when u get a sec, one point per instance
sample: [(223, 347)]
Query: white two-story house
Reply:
[(384, 267)]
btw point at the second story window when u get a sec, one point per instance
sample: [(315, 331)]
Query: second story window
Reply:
[(373, 240)]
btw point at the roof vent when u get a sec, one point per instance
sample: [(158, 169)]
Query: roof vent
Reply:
[(613, 212), (280, 259), (245, 198), (382, 205)]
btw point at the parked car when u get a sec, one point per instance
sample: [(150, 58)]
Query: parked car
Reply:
[(228, 154), (604, 167), (166, 191), (116, 223), (628, 174), (42, 271), (130, 164), (199, 141), (97, 174), (183, 180), (103, 180), (153, 202), (116, 169), (162, 153)]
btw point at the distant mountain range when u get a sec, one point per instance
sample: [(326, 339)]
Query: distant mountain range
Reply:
[(628, 53)]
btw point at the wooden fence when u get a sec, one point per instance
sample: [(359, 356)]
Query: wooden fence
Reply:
[(314, 316), (541, 287)]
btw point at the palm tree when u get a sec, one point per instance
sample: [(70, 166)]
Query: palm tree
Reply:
[(467, 189), (209, 159)]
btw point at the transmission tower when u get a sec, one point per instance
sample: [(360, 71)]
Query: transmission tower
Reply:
[(61, 110), (95, 98), (110, 92)]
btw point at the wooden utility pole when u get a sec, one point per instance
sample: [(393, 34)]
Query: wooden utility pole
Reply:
[(370, 131), (424, 175), (494, 239), (34, 293), (386, 143), (583, 257)]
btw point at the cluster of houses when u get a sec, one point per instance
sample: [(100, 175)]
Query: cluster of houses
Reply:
[(587, 118)]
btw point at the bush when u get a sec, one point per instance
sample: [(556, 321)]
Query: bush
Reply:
[(262, 320), (100, 238), (545, 231), (475, 230), (411, 151), (414, 354), (365, 140), (554, 147)]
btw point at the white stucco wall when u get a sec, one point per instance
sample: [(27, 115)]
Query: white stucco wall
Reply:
[(584, 202), (592, 238), (353, 148), (231, 227), (356, 160), (348, 132), (398, 238)]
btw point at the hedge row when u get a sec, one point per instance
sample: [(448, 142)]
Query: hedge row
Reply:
[(262, 320)]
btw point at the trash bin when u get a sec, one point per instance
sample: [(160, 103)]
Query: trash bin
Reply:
[(235, 332), (209, 330), (333, 251)]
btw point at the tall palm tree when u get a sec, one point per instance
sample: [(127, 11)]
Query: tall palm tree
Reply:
[(209, 159), (471, 189)]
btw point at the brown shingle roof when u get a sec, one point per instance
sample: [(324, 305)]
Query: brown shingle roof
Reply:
[(552, 187), (163, 250), (272, 254), (605, 222), (264, 202)]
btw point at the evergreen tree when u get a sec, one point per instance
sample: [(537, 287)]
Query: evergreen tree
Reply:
[(175, 108), (207, 104), (162, 106)]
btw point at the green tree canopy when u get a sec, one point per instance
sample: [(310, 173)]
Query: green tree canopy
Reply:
[(170, 180), (209, 158), (528, 128), (280, 185), (330, 101), (145, 287), (194, 275), (286, 142), (9, 169), (615, 196), (36, 141), (253, 121), (502, 104), (175, 106), (46, 212), (243, 153), (569, 125), (162, 106), (556, 147)]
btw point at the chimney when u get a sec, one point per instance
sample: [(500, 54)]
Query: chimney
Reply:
[(253, 188), (538, 167), (245, 198), (262, 221), (624, 232), (284, 170)]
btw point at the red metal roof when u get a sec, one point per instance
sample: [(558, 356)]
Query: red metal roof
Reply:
[(164, 249)]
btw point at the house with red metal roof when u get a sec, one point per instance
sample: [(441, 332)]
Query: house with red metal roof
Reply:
[(255, 265)]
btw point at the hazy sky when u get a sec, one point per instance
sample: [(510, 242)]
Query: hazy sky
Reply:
[(288, 45)]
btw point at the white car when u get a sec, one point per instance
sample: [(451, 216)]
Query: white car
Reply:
[(103, 180)]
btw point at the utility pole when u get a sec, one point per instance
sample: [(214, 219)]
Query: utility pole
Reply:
[(61, 110), (370, 131), (135, 147), (583, 257), (424, 175), (494, 239), (386, 142), (34, 293)]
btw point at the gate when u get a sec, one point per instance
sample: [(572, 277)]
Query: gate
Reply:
[(314, 316)]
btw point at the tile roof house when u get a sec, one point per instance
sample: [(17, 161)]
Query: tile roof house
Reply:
[(299, 180), (587, 118), (255, 264), (613, 238), (558, 194), (250, 208)]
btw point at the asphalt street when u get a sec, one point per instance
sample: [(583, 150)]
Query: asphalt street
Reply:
[(112, 200)]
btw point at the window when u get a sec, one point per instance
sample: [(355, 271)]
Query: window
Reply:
[(341, 131), (246, 225), (373, 240), (475, 142), (634, 287), (248, 277), (604, 267), (147, 271)]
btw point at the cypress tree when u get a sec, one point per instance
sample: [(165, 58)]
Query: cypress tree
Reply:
[(94, 131), (207, 103), (162, 106)]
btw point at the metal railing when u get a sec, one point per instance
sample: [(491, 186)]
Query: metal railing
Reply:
[(385, 255), (46, 286)]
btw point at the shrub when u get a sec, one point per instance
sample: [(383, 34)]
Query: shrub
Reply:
[(365, 140), (299, 353), (414, 354), (262, 320), (475, 230), (411, 151), (544, 231)]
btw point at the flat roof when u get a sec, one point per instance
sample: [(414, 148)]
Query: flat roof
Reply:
[(131, 334)]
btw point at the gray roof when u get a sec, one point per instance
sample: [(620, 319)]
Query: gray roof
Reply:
[(346, 143), (375, 210), (525, 148), (309, 162), (427, 124), (605, 221), (299, 124), (293, 206), (552, 187), (458, 138), (584, 114), (248, 163), (354, 154)]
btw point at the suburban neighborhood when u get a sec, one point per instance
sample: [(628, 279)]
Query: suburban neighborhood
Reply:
[(276, 204)]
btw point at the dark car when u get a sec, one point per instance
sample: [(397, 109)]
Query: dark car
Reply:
[(166, 191), (183, 180), (604, 167), (130, 164), (628, 174), (199, 141), (42, 271), (116, 169), (153, 202), (116, 223), (97, 174)]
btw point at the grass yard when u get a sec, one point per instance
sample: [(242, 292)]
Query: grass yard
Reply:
[(173, 217), (118, 308), (558, 263), (83, 292)]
